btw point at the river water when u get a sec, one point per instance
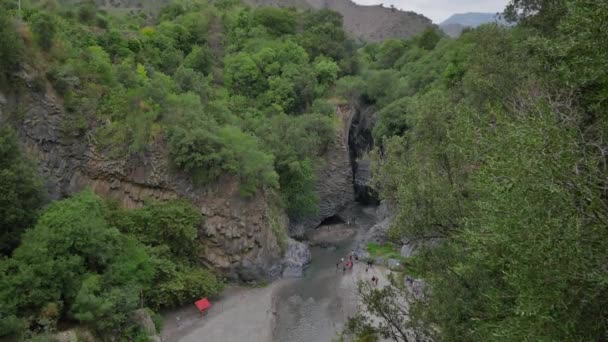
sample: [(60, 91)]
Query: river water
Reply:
[(309, 309), (316, 306)]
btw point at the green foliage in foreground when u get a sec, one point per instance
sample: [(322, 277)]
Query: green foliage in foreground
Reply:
[(494, 143), (87, 262)]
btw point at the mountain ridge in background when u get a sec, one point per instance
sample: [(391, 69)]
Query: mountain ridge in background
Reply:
[(455, 24)]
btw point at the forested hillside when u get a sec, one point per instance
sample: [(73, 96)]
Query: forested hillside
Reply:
[(220, 89), (493, 150), (370, 23)]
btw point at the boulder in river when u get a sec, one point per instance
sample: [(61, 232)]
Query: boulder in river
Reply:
[(412, 248), (143, 320), (297, 256), (393, 264), (379, 232), (361, 252), (77, 334), (408, 250)]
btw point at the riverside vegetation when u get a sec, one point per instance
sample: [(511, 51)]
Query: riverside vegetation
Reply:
[(223, 87), (493, 144)]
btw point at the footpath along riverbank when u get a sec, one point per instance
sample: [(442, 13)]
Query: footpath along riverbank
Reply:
[(276, 312)]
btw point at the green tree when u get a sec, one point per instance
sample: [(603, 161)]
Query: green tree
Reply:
[(188, 80), (21, 189), (44, 29), (298, 186), (173, 224), (276, 20), (59, 258), (429, 39), (199, 59), (99, 65), (351, 87), (389, 52), (280, 95), (393, 120), (11, 45), (243, 156), (296, 144), (542, 14), (323, 35), (327, 71), (492, 155), (243, 75)]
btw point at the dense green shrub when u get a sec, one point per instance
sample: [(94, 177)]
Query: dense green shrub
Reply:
[(11, 45), (74, 263), (44, 29), (75, 260), (21, 192), (276, 20)]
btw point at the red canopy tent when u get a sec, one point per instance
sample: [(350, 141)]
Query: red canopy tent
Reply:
[(202, 304)]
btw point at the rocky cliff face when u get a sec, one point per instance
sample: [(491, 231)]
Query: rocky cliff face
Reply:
[(334, 177), (361, 143), (237, 236)]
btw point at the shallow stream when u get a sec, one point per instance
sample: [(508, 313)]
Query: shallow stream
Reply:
[(316, 306)]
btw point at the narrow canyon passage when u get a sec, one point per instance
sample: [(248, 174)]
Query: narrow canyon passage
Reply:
[(316, 307), (312, 308)]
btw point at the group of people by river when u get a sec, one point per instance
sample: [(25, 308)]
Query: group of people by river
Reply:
[(347, 263)]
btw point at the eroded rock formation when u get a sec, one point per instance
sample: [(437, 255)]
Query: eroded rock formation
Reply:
[(361, 143), (236, 234), (297, 257), (334, 177)]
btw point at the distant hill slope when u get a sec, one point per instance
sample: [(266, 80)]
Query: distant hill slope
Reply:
[(301, 4), (454, 25), (452, 30), (376, 23), (471, 19), (371, 23)]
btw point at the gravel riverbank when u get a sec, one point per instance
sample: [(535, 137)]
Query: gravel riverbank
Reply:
[(312, 308)]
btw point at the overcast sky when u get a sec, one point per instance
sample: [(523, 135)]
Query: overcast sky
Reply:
[(439, 10)]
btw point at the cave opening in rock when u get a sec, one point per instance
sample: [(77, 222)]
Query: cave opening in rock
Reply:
[(332, 220)]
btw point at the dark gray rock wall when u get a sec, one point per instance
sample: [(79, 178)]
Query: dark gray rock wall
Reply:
[(237, 236), (296, 258), (334, 178), (361, 143)]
